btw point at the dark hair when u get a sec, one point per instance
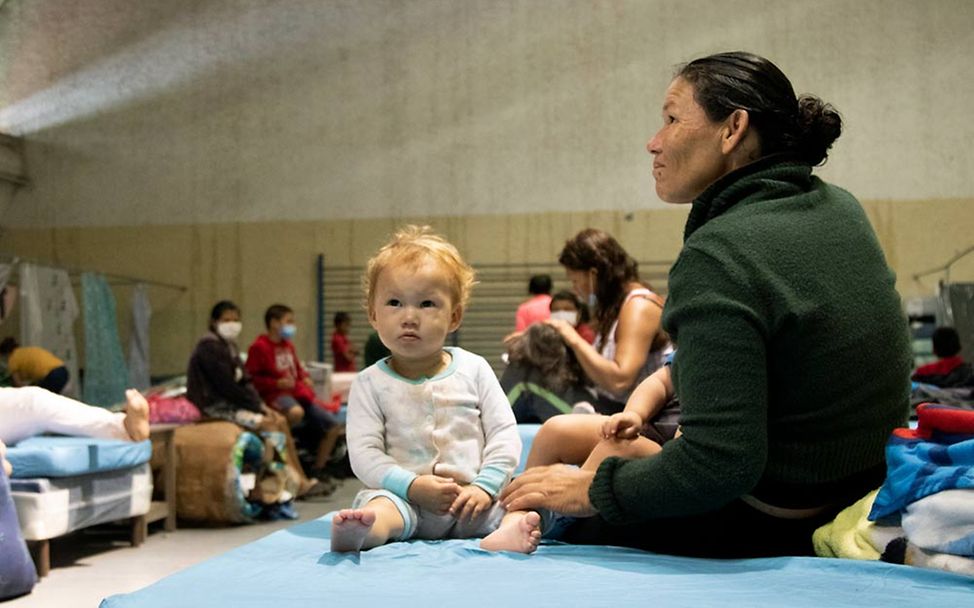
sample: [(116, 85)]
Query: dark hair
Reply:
[(8, 345), (539, 284), (946, 342), (341, 317), (566, 296), (541, 347), (221, 307), (594, 248), (804, 126), (275, 312)]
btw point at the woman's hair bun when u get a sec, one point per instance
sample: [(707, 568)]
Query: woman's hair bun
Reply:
[(819, 125)]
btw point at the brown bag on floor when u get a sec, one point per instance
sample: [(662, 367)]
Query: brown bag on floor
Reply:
[(207, 477)]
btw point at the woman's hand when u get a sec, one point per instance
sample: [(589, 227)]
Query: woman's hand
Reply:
[(568, 332), (558, 487), (624, 425)]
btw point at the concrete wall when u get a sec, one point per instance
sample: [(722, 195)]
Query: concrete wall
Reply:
[(222, 144)]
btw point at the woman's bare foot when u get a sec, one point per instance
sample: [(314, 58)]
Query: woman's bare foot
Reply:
[(7, 467), (136, 415), (520, 532), (349, 528)]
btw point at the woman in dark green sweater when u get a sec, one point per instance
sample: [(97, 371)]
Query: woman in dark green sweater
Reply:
[(793, 360)]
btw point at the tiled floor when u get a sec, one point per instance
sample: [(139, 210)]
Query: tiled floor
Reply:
[(87, 567)]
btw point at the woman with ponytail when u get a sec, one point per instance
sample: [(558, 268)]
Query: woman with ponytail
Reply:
[(792, 363)]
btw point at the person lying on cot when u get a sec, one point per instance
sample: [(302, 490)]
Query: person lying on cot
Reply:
[(29, 411), (430, 432)]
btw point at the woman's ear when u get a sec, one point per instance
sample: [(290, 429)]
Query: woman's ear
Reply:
[(736, 130)]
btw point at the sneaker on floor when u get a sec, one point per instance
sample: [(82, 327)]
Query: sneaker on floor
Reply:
[(317, 492)]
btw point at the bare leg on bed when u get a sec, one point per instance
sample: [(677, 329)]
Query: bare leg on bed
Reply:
[(31, 410), (640, 447), (565, 439), (519, 531), (361, 529)]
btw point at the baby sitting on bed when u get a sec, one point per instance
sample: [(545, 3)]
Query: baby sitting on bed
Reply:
[(429, 429)]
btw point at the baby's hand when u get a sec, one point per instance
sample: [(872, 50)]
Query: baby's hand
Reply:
[(624, 425), (472, 501), (433, 493)]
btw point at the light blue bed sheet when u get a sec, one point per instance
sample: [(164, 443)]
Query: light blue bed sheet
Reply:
[(294, 568)]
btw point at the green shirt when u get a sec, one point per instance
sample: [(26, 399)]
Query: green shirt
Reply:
[(793, 358)]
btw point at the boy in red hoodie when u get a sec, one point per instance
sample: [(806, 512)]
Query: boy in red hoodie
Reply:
[(284, 384)]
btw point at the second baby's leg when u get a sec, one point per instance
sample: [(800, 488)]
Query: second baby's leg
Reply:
[(568, 439), (640, 447)]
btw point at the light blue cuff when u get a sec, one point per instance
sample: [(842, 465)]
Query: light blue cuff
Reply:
[(397, 481), (491, 478)]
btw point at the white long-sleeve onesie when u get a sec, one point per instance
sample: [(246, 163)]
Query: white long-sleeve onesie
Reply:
[(457, 424)]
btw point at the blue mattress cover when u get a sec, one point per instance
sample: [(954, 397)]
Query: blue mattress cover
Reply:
[(294, 567), (50, 456)]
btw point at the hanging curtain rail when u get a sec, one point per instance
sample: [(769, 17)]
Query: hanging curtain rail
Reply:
[(946, 266), (114, 279)]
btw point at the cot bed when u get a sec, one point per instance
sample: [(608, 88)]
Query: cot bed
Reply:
[(294, 566), (63, 484)]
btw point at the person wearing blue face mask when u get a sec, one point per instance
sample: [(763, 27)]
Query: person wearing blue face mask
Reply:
[(630, 344), (284, 384), (218, 384)]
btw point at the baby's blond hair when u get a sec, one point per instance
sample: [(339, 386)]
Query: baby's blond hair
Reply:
[(411, 246)]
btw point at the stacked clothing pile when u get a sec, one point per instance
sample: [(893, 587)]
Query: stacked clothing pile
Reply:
[(923, 515)]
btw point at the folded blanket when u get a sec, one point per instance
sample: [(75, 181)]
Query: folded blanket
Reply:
[(851, 535), (937, 456), (942, 522)]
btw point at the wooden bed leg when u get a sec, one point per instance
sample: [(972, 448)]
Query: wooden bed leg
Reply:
[(140, 529), (40, 552)]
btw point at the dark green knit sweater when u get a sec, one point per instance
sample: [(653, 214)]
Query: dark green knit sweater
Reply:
[(793, 359)]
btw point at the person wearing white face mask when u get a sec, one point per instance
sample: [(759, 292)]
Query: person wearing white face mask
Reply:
[(219, 385), (630, 344), (566, 306), (216, 381)]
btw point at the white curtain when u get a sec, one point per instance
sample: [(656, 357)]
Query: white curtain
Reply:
[(48, 311)]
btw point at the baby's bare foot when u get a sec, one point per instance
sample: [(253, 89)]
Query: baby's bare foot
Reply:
[(521, 534), (136, 415), (349, 528)]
